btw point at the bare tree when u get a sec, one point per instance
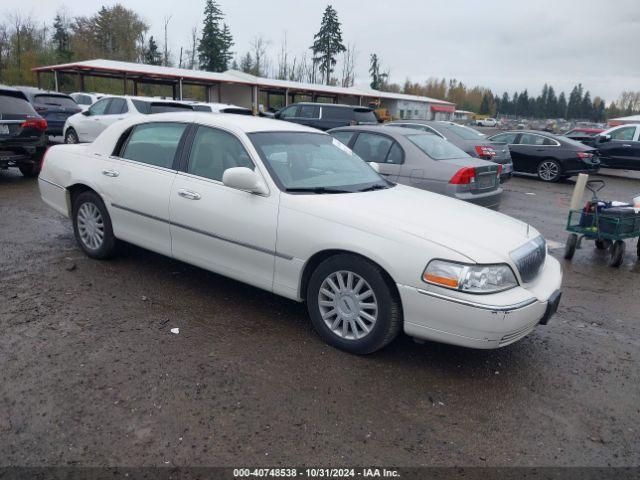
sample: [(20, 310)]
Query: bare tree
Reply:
[(283, 60), (348, 66), (167, 19), (193, 48), (260, 60)]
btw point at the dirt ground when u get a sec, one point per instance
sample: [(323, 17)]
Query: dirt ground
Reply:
[(91, 375)]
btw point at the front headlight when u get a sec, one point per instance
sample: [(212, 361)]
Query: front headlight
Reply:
[(470, 278)]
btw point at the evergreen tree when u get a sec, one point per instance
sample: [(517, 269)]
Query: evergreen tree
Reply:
[(152, 55), (551, 108), (378, 79), (214, 49), (561, 112), (61, 39), (485, 105), (574, 107), (505, 104), (246, 63), (587, 111), (523, 104), (327, 43)]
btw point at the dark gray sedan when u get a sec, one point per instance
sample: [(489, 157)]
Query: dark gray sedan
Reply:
[(425, 161), (471, 141)]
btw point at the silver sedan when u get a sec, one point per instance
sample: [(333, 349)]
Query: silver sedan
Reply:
[(425, 161)]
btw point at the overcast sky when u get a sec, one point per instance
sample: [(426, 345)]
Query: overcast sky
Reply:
[(502, 44)]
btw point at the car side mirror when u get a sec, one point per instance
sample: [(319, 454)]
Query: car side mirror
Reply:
[(276, 115), (243, 178), (86, 113), (375, 166), (604, 138)]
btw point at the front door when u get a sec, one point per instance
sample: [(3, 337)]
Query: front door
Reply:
[(88, 122), (142, 175), (229, 231), (623, 150)]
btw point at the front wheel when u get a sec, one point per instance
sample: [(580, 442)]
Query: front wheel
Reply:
[(92, 226), (30, 171), (549, 171), (352, 305), (616, 253), (71, 136), (570, 247)]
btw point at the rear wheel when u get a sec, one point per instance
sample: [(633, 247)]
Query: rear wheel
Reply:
[(352, 305), (570, 247), (71, 136), (549, 170), (92, 226), (616, 253)]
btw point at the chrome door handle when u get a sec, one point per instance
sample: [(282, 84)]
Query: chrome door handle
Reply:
[(188, 194), (110, 173), (626, 145)]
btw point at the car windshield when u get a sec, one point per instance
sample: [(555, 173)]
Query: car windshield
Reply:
[(436, 147), (465, 133), (314, 162)]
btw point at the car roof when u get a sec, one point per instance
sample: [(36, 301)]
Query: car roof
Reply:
[(237, 123), (382, 129), (342, 105), (586, 130)]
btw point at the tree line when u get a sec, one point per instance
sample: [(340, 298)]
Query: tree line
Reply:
[(118, 33)]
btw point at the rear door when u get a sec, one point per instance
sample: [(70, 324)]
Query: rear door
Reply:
[(510, 139), (381, 150), (141, 176)]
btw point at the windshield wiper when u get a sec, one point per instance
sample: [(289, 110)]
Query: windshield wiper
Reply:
[(374, 187), (317, 190)]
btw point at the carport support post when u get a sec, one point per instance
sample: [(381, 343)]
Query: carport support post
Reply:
[(135, 88), (173, 88), (180, 85), (124, 84), (55, 79), (286, 97), (81, 81), (255, 99), (39, 79)]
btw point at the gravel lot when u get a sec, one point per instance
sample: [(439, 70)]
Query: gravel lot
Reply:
[(92, 375)]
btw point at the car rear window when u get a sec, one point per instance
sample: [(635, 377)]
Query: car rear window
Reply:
[(55, 101), (11, 105), (436, 147), (237, 111), (465, 133), (365, 115), (202, 108)]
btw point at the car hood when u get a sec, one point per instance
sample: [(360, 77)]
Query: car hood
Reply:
[(477, 233)]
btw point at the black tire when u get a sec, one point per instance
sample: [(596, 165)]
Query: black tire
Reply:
[(71, 136), (616, 253), (107, 245), (389, 311), (570, 247), (638, 248), (602, 244), (549, 170), (30, 171)]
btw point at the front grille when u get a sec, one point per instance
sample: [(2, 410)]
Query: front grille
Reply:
[(530, 258)]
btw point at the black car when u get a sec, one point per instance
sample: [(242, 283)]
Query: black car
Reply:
[(325, 116), (22, 133), (467, 139), (619, 147), (550, 157), (54, 107)]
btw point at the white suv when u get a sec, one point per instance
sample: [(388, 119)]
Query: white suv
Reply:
[(487, 122), (85, 126)]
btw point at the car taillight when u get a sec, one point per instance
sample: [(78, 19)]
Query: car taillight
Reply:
[(464, 176), (37, 123), (485, 151), (585, 155)]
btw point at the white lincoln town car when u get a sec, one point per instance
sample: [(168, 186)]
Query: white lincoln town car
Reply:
[(291, 210)]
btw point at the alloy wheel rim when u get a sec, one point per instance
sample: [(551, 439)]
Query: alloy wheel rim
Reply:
[(548, 170), (71, 137), (90, 226), (348, 305)]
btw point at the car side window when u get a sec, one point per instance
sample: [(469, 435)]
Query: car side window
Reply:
[(509, 138), (415, 126), (531, 139), (117, 106), (337, 113), (289, 112), (549, 141), (625, 134), (372, 147), (154, 143), (100, 107), (213, 151), (309, 111), (343, 137), (396, 155)]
